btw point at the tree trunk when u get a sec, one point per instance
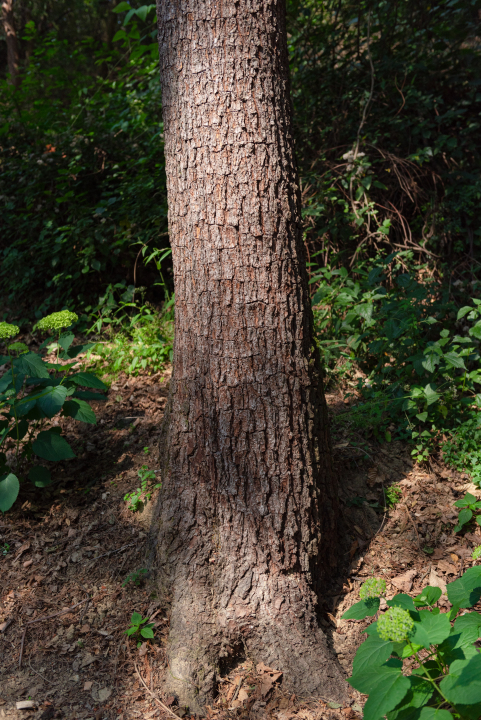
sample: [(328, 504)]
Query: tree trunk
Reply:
[(246, 533), (12, 43)]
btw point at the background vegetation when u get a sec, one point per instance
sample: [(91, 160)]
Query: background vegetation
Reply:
[(387, 104)]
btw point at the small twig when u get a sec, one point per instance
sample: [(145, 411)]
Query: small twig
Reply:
[(47, 617), (37, 673), (413, 524), (164, 707), (236, 691)]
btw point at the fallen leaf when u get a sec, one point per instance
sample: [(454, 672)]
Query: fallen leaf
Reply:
[(436, 581), (26, 705), (404, 582), (105, 693), (88, 685), (87, 660), (240, 699), (85, 629), (446, 567)]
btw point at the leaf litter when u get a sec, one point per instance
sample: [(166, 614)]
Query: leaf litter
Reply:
[(74, 545)]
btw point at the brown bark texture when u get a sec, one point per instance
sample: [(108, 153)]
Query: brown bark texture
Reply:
[(12, 43), (246, 527)]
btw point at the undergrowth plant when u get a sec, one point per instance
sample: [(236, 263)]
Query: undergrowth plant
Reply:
[(419, 360), (469, 506), (143, 493), (32, 393), (140, 628), (419, 663), (139, 338)]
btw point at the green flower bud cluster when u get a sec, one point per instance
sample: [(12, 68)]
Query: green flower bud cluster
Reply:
[(18, 347), (57, 320), (395, 625), (476, 553), (7, 330), (372, 588)]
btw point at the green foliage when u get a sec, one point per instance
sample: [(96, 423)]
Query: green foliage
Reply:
[(137, 577), (82, 169), (138, 338), (143, 493), (444, 681), (32, 393), (139, 629), (393, 495), (5, 549), (372, 588), (421, 365), (469, 505)]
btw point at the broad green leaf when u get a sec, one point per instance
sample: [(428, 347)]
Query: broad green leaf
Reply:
[(89, 395), (467, 500), (79, 410), (385, 685), (431, 395), (410, 648), (475, 331), (49, 445), (90, 380), (454, 360), (420, 692), (373, 651), (119, 35), (6, 381), (75, 350), (132, 630), (463, 311), (19, 430), (136, 618), (147, 632), (466, 591), (124, 7), (431, 629), (429, 596), (430, 713), (462, 686), (9, 489), (40, 476), (66, 340), (52, 399), (464, 516), (31, 364), (362, 609), (403, 601)]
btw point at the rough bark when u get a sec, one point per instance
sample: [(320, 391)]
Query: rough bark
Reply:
[(12, 43), (247, 517)]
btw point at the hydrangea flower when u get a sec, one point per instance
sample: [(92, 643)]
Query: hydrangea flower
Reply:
[(19, 347), (372, 588), (395, 625), (476, 553), (7, 330), (57, 320)]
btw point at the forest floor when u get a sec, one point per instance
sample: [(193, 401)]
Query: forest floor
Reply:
[(66, 555)]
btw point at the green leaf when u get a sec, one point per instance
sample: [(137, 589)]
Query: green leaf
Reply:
[(403, 601), (463, 311), (66, 340), (475, 331), (430, 713), (9, 489), (89, 395), (40, 476), (466, 591), (132, 630), (19, 430), (429, 596), (419, 695), (431, 629), (52, 399), (454, 360), (410, 648), (49, 445), (385, 685), (31, 364), (464, 517), (90, 380), (462, 686), (79, 410), (120, 35), (136, 618), (431, 395), (373, 651), (147, 632), (422, 416), (466, 501), (125, 7), (72, 352), (362, 609)]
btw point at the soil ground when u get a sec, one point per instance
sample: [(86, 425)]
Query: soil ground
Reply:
[(67, 553)]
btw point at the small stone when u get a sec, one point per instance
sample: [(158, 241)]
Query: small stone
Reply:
[(104, 694)]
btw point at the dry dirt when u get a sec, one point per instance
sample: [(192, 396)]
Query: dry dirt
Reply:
[(66, 554)]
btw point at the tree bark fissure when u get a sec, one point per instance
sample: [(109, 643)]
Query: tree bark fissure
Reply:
[(247, 520)]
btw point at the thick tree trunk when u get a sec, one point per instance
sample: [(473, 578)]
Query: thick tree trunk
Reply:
[(12, 43), (247, 516)]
